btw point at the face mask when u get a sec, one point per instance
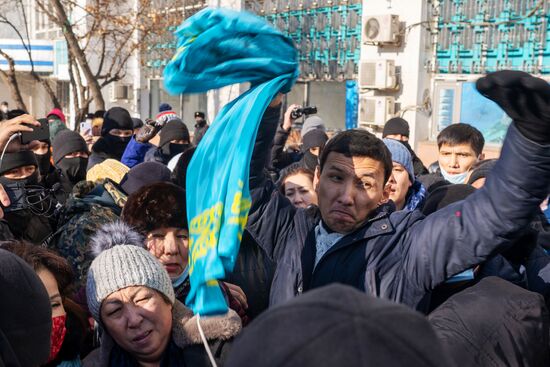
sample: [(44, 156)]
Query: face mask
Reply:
[(454, 179), (4, 109), (57, 336), (73, 168), (117, 139), (44, 163), (180, 279), (311, 161), (31, 180), (171, 149)]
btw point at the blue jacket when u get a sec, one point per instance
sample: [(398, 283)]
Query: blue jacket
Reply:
[(402, 255), (135, 152)]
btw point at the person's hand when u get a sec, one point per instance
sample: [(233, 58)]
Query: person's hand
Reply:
[(525, 98), (149, 130), (237, 294), (15, 125), (4, 200), (287, 119)]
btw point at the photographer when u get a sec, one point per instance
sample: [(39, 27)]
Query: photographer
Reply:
[(313, 139)]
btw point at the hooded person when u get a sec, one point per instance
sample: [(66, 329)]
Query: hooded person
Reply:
[(43, 154), (312, 145), (125, 282), (311, 123), (25, 314), (57, 122), (27, 214), (174, 139), (70, 158), (406, 191), (337, 325), (116, 132), (494, 323)]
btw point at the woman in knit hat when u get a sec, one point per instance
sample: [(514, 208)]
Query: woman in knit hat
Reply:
[(159, 213), (116, 132), (406, 192), (131, 296)]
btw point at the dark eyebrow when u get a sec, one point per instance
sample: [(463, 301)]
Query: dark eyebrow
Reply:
[(368, 174)]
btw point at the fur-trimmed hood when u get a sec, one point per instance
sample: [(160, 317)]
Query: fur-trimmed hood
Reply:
[(185, 332)]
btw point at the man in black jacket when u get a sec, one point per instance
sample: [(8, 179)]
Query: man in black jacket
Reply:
[(357, 238)]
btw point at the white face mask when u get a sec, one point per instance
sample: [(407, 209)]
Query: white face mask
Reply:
[(4, 109), (458, 178)]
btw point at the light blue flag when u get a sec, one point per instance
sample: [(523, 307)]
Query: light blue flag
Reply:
[(219, 47)]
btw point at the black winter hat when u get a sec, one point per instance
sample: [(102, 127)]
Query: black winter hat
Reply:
[(144, 174), (446, 195), (174, 129), (116, 118), (17, 159), (338, 326), (394, 126), (99, 113), (65, 142), (200, 114), (154, 206), (25, 314), (481, 170), (314, 138)]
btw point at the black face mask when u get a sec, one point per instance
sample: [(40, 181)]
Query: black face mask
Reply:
[(44, 164), (73, 168), (172, 149), (31, 180), (116, 145), (311, 161)]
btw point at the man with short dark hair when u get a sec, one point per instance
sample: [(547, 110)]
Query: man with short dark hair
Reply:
[(356, 238)]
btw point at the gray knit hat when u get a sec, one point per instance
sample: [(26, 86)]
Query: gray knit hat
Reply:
[(312, 123), (122, 262)]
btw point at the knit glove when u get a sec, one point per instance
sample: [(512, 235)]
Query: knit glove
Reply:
[(524, 98), (149, 130)]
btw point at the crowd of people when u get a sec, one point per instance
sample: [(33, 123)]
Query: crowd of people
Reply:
[(354, 253)]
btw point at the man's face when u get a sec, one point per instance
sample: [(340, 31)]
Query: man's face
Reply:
[(399, 184), (349, 189), (456, 159)]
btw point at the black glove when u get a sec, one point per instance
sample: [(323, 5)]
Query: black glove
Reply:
[(524, 98), (149, 130)]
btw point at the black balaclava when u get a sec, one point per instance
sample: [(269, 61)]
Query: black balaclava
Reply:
[(312, 139), (44, 164), (16, 160), (66, 142), (173, 130), (116, 118)]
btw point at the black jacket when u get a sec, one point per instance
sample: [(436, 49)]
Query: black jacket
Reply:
[(279, 157), (402, 255), (493, 324)]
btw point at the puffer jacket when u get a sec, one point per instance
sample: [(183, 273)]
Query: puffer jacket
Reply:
[(403, 255)]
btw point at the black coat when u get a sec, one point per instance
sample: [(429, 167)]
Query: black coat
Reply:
[(403, 255), (493, 324)]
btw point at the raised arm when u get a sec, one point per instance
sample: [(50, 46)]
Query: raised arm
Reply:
[(469, 232)]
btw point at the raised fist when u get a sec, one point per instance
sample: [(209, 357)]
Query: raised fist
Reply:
[(525, 98)]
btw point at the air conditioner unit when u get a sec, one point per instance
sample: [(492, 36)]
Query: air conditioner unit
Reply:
[(375, 110), (381, 29), (121, 91), (377, 74)]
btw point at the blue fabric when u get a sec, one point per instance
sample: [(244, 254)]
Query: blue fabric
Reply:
[(416, 196), (134, 153), (352, 103), (216, 48)]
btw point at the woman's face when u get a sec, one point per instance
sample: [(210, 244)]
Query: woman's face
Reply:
[(51, 286), (299, 190), (171, 246), (139, 320)]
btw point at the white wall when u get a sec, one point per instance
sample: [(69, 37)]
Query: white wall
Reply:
[(410, 59)]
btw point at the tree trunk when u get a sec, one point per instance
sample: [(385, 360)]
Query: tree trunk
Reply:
[(48, 89), (10, 78), (76, 51)]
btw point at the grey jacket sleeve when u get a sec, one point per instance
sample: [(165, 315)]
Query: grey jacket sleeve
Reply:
[(468, 232)]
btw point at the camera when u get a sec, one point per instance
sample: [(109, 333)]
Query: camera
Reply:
[(299, 112)]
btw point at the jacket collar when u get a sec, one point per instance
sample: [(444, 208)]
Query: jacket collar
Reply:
[(377, 225)]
